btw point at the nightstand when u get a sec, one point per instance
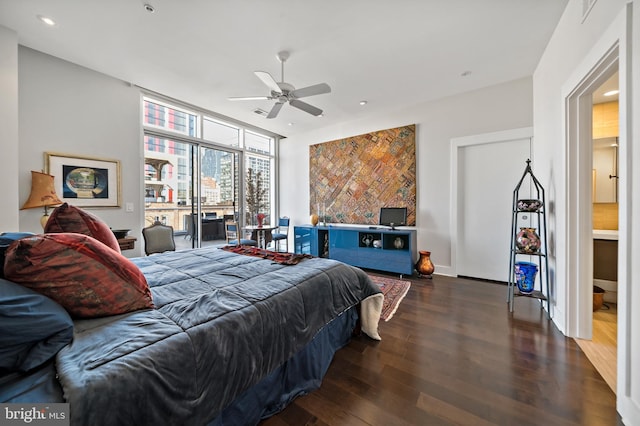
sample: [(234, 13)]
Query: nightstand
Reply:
[(127, 243)]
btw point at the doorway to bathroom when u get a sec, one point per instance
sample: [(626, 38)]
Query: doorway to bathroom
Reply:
[(582, 184), (601, 349)]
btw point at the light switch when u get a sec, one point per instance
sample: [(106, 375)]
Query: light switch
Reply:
[(128, 207)]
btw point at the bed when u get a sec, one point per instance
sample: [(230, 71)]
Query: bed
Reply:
[(230, 339)]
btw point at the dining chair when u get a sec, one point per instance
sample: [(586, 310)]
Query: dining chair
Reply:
[(158, 238), (234, 235), (281, 233)]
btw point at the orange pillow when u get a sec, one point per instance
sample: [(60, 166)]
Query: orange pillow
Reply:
[(80, 273), (67, 218)]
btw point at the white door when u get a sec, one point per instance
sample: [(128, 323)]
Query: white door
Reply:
[(488, 172)]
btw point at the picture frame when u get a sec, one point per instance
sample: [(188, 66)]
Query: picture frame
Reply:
[(85, 181)]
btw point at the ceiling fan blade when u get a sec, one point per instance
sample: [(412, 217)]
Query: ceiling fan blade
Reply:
[(269, 81), (316, 89), (275, 110), (305, 107), (250, 98)]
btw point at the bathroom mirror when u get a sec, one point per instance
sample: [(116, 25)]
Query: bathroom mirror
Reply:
[(605, 134), (605, 170)]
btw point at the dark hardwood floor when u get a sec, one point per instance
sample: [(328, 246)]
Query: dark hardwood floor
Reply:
[(454, 355)]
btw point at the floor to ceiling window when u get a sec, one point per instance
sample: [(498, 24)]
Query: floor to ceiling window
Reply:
[(258, 182), (198, 169)]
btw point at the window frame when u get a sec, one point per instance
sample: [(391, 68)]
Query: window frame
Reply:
[(202, 115)]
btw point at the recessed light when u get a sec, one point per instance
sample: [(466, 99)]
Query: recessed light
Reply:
[(149, 8), (47, 20), (363, 102), (465, 73), (291, 124), (612, 92)]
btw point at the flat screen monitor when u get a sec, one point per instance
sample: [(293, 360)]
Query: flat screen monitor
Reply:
[(393, 216)]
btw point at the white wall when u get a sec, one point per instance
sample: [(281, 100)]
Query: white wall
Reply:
[(502, 107), (68, 109), (9, 129), (575, 48), (629, 392), (571, 42)]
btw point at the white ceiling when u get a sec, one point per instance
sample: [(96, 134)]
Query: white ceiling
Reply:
[(393, 54), (608, 86)]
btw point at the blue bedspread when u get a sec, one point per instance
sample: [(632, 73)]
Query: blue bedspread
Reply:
[(222, 322)]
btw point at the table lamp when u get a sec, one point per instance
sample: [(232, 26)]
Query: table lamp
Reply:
[(43, 194)]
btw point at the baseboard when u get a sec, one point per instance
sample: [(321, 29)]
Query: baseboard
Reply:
[(444, 270)]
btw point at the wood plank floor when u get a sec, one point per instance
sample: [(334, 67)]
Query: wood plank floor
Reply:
[(602, 349), (454, 355)]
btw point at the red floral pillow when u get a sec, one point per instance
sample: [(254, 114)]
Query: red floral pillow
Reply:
[(67, 218), (80, 273)]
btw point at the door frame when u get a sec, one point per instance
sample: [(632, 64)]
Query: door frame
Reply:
[(579, 163), (456, 145)]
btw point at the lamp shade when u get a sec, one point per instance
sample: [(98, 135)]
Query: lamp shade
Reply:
[(43, 193)]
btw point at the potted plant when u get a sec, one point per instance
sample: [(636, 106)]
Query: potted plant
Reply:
[(256, 192)]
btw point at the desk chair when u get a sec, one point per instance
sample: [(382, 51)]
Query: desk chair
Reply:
[(158, 238), (234, 237), (281, 233)]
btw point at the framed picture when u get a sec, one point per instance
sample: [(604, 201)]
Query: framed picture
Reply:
[(85, 181)]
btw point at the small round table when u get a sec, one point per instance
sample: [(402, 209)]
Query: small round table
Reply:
[(262, 234)]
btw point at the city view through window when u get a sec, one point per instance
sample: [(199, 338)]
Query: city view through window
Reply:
[(197, 169)]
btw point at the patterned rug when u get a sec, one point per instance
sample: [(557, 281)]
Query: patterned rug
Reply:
[(394, 291)]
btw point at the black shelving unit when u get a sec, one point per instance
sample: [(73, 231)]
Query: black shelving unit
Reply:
[(531, 219)]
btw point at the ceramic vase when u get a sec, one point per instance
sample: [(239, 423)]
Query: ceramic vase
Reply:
[(527, 241), (314, 219), (398, 243), (424, 266), (526, 276), (260, 218)]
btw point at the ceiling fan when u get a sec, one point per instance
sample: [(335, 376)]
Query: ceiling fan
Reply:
[(284, 92)]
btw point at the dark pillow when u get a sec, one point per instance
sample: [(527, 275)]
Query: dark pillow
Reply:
[(34, 328), (80, 273), (67, 218), (6, 238)]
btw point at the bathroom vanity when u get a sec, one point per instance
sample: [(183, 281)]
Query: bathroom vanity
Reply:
[(605, 263)]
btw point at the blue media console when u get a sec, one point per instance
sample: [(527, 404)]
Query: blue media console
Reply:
[(381, 249)]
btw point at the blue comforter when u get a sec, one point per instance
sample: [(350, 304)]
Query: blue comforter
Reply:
[(222, 322)]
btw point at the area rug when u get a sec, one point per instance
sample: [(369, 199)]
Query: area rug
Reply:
[(394, 291)]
